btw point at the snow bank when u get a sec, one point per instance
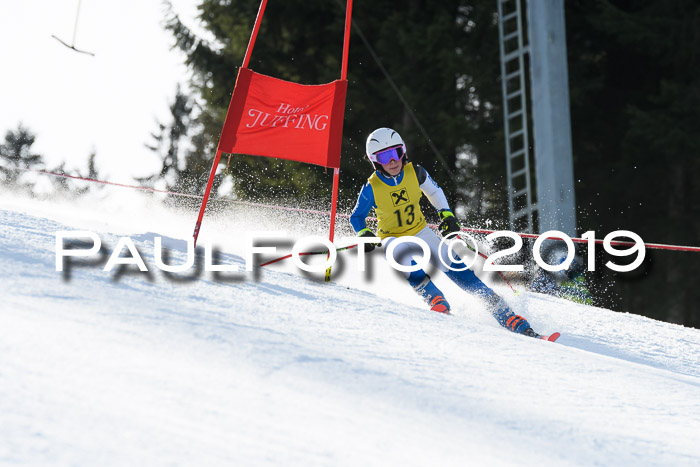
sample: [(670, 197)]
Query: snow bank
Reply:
[(276, 367)]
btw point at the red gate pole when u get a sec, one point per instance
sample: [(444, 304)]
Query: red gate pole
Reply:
[(254, 34), (336, 171), (346, 40), (212, 174), (334, 202), (210, 182)]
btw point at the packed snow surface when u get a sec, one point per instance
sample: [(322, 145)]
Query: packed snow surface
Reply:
[(277, 367)]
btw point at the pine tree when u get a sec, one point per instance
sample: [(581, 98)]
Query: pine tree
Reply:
[(443, 84), (16, 154), (635, 96), (69, 188), (168, 144)]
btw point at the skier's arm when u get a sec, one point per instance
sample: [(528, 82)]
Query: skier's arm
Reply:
[(437, 198), (431, 190), (365, 203)]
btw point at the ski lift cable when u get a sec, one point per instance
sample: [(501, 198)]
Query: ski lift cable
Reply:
[(75, 32), (655, 246), (75, 25), (403, 100)]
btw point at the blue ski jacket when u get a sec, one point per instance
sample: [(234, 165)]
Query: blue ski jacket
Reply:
[(365, 201)]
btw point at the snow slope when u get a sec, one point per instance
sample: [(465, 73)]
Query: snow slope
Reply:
[(276, 367)]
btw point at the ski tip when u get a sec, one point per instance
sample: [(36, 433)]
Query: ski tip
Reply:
[(552, 337)]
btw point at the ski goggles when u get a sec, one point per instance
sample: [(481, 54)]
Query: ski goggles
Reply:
[(385, 156)]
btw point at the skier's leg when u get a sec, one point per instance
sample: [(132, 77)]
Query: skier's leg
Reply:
[(419, 280), (421, 283), (468, 281)]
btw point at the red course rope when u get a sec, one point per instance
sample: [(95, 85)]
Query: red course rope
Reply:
[(653, 246)]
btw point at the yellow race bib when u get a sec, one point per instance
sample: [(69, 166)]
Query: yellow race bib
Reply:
[(398, 207)]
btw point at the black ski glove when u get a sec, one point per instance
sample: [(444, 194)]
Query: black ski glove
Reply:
[(368, 233), (449, 223)]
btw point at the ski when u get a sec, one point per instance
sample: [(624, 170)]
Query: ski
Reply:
[(551, 338)]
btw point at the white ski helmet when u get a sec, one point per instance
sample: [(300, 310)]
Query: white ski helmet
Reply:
[(383, 139)]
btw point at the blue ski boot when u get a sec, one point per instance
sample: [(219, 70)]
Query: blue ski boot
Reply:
[(506, 317), (468, 281), (424, 287)]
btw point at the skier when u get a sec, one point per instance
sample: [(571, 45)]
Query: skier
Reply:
[(394, 191)]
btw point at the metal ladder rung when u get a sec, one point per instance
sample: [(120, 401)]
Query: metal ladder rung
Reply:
[(520, 192), (514, 94), (517, 113), (515, 134), (517, 153), (525, 211), (511, 36), (512, 75), (518, 173), (509, 16), (516, 53)]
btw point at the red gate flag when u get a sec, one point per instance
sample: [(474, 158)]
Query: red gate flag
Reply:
[(275, 118)]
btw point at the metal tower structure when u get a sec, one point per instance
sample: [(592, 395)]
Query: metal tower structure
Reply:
[(521, 209), (554, 208)]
